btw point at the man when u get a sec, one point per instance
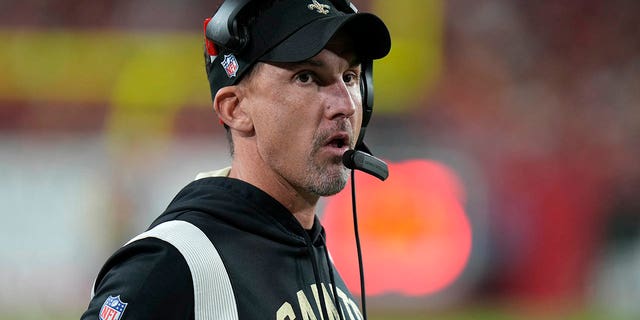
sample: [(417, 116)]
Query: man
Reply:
[(244, 242)]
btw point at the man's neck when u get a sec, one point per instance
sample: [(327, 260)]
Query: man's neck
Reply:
[(301, 204)]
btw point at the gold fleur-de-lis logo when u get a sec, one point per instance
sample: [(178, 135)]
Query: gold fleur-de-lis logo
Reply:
[(321, 8)]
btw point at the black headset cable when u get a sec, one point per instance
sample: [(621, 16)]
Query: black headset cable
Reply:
[(363, 295)]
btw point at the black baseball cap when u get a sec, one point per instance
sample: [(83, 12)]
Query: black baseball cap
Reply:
[(296, 30)]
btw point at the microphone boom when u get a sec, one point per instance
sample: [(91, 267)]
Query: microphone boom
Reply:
[(355, 159)]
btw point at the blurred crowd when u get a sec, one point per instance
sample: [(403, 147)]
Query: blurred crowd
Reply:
[(545, 95)]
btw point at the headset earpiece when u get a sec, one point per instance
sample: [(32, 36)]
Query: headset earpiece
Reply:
[(223, 29), (366, 90)]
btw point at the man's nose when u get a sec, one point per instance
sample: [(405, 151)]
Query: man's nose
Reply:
[(340, 101)]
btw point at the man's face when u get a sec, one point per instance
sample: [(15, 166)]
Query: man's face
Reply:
[(306, 115)]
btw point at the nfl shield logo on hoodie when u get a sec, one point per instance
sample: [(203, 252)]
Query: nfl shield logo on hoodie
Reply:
[(112, 308)]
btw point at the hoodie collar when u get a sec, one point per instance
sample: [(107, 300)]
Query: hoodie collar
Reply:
[(243, 205)]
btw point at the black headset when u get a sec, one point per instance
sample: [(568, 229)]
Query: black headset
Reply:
[(225, 32)]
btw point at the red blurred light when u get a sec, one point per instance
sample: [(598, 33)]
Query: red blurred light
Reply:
[(416, 237)]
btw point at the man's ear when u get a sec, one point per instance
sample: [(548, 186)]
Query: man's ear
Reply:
[(227, 105)]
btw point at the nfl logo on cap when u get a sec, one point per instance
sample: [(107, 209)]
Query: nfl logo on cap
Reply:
[(112, 308), (230, 65)]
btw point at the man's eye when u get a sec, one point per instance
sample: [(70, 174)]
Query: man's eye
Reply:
[(349, 78), (305, 77)]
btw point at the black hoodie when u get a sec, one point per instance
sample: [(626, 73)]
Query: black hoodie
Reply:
[(269, 264)]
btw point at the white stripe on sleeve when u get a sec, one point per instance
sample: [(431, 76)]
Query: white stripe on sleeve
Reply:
[(212, 291)]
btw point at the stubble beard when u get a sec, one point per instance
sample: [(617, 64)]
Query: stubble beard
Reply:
[(324, 178)]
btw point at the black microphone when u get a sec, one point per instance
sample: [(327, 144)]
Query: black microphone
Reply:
[(355, 159)]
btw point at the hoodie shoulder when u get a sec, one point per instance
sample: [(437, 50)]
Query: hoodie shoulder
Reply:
[(144, 276), (212, 203)]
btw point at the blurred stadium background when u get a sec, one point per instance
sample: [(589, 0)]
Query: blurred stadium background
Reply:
[(511, 128)]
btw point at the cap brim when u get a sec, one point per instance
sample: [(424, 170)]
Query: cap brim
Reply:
[(370, 37)]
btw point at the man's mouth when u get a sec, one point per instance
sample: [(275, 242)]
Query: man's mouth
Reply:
[(338, 141)]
